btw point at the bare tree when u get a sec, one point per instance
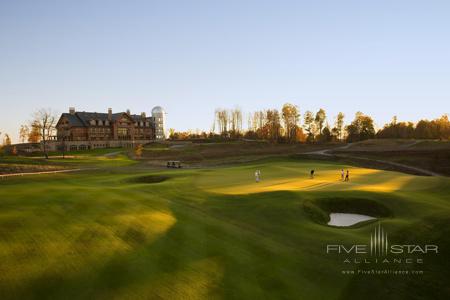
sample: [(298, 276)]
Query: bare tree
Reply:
[(258, 122), (45, 121), (24, 132), (235, 121), (222, 118), (6, 140), (254, 121)]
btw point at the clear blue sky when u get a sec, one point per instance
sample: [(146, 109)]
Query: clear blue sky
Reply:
[(384, 58)]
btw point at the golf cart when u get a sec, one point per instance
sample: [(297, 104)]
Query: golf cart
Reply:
[(176, 164)]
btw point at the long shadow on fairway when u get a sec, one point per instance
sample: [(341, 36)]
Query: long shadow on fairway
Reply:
[(148, 179)]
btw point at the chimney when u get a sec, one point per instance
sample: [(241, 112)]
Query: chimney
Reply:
[(143, 115), (128, 111), (110, 114), (72, 110)]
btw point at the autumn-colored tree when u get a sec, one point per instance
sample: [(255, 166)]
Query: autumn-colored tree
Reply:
[(300, 136), (138, 150), (290, 115), (423, 130), (34, 135), (395, 129), (171, 133), (435, 129), (361, 128), (272, 126), (308, 124), (443, 124), (441, 128)]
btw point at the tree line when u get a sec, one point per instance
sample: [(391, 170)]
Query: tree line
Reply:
[(435, 129), (288, 126), (283, 126)]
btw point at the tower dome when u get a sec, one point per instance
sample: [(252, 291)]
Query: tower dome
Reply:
[(157, 110), (158, 115)]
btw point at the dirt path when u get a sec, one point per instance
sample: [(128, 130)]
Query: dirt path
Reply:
[(112, 154), (39, 173), (329, 153)]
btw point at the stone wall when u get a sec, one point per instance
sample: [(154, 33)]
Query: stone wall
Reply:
[(85, 145)]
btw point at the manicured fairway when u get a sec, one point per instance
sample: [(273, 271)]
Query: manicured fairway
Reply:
[(120, 231)]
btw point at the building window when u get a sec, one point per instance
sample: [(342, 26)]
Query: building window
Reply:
[(122, 131)]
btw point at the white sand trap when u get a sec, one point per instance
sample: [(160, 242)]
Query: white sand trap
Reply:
[(343, 219)]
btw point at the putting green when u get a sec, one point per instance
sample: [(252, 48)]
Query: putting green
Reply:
[(124, 232)]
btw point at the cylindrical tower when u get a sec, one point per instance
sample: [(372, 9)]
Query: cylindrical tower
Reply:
[(158, 115)]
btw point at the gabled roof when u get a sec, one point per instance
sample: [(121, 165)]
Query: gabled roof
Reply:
[(82, 119), (73, 119)]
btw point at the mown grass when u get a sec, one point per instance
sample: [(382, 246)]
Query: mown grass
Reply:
[(127, 233), (112, 157)]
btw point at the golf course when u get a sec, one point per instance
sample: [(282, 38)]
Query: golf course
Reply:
[(124, 228)]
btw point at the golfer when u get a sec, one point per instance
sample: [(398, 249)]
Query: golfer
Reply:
[(347, 176), (342, 174), (312, 174), (257, 175)]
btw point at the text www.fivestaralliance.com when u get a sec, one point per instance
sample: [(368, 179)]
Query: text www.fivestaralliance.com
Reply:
[(382, 272)]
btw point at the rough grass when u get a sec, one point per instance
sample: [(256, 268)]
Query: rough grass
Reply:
[(206, 154), (426, 154), (212, 233)]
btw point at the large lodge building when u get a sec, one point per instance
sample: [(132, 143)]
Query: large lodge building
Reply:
[(89, 130)]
